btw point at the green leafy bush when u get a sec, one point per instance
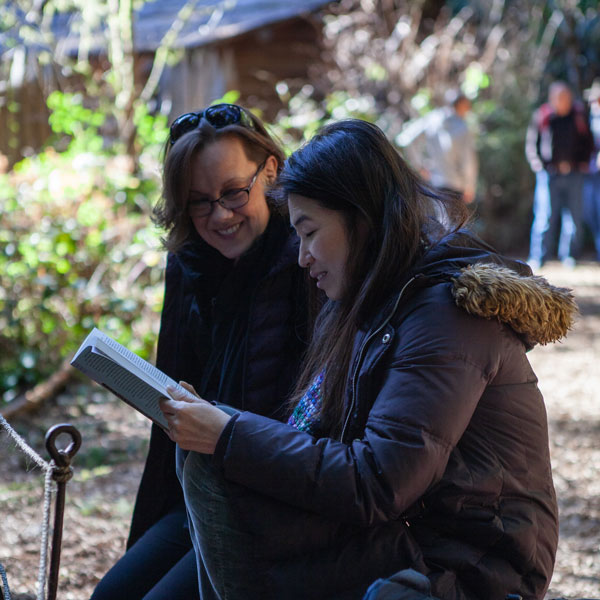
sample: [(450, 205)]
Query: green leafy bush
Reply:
[(77, 249)]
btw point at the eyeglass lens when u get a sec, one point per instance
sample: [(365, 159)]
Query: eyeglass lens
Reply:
[(222, 115), (230, 200), (183, 124)]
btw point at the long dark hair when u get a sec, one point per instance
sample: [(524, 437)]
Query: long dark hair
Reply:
[(170, 213), (351, 167)]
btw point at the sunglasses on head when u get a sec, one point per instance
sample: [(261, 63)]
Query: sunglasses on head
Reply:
[(219, 116)]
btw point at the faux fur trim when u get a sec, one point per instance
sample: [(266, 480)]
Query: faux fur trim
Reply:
[(534, 308)]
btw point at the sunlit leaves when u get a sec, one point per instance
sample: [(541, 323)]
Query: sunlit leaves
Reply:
[(475, 80), (69, 115), (71, 256)]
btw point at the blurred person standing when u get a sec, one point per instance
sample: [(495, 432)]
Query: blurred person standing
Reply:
[(442, 148), (591, 202), (558, 148)]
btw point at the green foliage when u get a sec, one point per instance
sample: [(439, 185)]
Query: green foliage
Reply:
[(475, 80), (69, 115), (305, 114), (230, 97), (77, 248), (152, 130)]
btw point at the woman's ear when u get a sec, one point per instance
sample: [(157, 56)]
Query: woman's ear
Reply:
[(270, 169)]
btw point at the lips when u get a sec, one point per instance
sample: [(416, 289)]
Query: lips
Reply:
[(231, 230), (318, 275)]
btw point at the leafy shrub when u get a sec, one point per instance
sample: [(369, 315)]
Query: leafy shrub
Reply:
[(77, 250)]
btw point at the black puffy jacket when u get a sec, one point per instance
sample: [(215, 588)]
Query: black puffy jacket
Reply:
[(235, 332), (443, 464)]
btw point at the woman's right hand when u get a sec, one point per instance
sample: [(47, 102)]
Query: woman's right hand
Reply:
[(194, 423)]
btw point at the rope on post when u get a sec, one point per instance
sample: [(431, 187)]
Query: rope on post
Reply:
[(48, 467), (42, 569), (5, 588), (61, 473)]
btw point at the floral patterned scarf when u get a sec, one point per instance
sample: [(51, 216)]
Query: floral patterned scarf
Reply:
[(307, 414)]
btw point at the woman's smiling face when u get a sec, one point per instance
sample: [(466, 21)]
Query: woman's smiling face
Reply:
[(220, 167), (324, 245)]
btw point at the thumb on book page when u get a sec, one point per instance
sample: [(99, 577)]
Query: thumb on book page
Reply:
[(190, 388), (183, 393)]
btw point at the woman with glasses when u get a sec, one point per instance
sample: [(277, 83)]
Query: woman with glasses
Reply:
[(233, 322), (417, 440)]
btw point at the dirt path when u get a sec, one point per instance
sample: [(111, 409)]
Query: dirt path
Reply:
[(569, 377), (108, 467)]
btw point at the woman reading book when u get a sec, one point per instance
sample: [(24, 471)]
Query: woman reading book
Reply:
[(417, 437), (233, 322)]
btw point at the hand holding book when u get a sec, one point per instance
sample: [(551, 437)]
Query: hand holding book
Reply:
[(125, 374), (193, 423)]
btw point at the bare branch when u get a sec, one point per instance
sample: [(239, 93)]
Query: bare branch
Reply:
[(46, 390)]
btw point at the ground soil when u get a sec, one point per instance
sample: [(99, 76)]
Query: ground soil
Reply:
[(107, 468)]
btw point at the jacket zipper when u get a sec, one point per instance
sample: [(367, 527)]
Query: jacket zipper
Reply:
[(360, 354)]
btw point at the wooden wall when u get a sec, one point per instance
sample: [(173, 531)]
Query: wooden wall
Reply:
[(252, 63), (23, 121), (289, 51)]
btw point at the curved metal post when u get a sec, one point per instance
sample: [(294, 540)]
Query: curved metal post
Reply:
[(62, 473)]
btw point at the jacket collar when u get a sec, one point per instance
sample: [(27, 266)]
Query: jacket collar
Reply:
[(488, 285)]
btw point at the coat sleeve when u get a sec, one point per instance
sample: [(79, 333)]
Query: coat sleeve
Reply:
[(432, 378), (532, 143)]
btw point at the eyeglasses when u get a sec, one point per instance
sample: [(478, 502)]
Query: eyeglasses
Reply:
[(231, 200), (219, 116)]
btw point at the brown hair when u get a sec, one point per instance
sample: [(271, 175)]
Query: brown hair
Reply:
[(170, 212), (351, 167)]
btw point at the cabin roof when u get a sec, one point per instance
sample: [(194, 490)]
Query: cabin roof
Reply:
[(209, 21)]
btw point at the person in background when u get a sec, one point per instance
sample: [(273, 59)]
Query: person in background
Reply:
[(442, 148), (558, 148), (417, 438), (233, 322), (592, 184)]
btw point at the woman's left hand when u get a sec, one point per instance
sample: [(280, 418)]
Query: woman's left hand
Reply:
[(194, 423)]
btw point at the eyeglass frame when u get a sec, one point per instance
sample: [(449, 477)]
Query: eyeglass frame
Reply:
[(211, 203), (237, 113)]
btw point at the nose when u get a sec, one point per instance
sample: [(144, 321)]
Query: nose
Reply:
[(219, 212), (305, 258)]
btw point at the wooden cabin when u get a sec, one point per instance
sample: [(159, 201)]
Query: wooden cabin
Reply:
[(246, 45)]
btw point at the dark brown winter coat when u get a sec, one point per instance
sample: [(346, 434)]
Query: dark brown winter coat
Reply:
[(443, 464)]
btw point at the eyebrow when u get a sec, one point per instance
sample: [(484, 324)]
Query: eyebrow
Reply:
[(300, 220), (235, 183)]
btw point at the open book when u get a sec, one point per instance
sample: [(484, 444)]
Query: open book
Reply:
[(125, 374)]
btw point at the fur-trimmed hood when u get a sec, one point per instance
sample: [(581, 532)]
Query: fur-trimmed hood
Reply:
[(489, 285), (532, 307)]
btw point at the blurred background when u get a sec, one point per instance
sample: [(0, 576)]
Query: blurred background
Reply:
[(88, 89)]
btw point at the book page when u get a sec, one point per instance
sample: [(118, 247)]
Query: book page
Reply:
[(126, 374), (138, 362), (136, 392), (125, 357)]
